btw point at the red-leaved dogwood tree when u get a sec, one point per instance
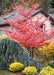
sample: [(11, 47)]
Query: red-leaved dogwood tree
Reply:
[(28, 32)]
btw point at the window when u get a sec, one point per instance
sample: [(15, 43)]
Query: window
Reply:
[(43, 26)]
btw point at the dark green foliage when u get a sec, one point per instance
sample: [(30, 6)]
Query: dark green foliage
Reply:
[(6, 4), (46, 4), (51, 64), (10, 51), (52, 4)]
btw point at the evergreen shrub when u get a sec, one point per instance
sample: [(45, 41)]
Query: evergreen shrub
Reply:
[(10, 52)]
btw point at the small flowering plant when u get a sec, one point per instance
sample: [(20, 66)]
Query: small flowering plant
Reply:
[(16, 66), (30, 70), (47, 71)]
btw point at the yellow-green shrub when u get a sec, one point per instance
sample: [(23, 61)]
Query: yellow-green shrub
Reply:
[(3, 36), (47, 71), (30, 70), (47, 50), (27, 51), (16, 66)]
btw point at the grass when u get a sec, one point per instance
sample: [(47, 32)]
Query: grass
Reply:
[(4, 72)]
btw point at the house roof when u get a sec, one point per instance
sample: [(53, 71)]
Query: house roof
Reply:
[(46, 14), (52, 15), (10, 16), (13, 14)]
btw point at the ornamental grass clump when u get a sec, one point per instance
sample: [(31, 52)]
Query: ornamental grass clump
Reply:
[(30, 70), (47, 71), (16, 66)]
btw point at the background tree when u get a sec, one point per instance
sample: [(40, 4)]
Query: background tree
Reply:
[(28, 3), (5, 4), (11, 4), (52, 4), (51, 9), (46, 4)]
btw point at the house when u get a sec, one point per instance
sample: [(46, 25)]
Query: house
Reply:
[(49, 23), (11, 16)]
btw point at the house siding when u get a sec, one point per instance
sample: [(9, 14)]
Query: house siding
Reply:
[(5, 27), (47, 23)]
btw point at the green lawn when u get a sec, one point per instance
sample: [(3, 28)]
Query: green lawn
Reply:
[(3, 72)]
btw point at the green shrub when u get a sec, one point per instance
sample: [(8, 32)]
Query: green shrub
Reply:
[(10, 52), (16, 66), (51, 64), (30, 70)]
